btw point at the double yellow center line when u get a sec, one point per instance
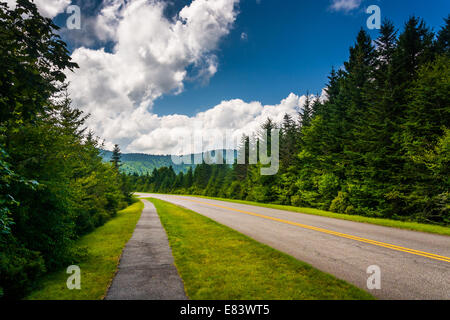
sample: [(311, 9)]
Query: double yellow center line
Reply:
[(338, 234)]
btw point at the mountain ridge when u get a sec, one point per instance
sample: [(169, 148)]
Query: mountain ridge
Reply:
[(142, 163)]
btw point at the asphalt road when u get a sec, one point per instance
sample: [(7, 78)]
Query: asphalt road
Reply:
[(413, 265)]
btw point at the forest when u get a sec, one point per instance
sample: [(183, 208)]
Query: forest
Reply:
[(377, 146), (142, 164), (54, 185)]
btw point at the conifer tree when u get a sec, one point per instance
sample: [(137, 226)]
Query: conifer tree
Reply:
[(288, 142), (188, 179), (443, 41), (307, 112), (116, 157)]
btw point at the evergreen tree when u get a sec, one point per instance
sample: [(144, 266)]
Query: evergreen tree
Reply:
[(307, 112), (354, 122), (288, 142), (386, 46), (241, 169), (178, 184), (415, 46), (116, 157), (443, 41), (332, 90), (188, 179), (428, 120)]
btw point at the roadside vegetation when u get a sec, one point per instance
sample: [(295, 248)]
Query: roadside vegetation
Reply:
[(223, 264), (100, 254), (54, 186), (376, 145)]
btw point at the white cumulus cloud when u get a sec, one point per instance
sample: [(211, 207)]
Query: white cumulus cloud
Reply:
[(345, 5), (48, 8), (150, 58), (161, 135)]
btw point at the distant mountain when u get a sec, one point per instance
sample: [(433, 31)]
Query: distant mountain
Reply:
[(141, 163)]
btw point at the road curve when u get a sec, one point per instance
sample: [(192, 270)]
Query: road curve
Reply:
[(414, 265)]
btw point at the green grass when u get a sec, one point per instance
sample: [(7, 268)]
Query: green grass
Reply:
[(218, 263), (415, 226), (105, 246)]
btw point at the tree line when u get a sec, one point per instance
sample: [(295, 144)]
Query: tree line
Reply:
[(378, 145), (144, 163), (54, 185)]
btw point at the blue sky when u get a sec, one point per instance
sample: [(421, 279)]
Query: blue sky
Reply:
[(290, 48), (151, 67)]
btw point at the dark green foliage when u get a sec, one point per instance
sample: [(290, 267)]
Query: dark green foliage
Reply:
[(443, 41), (7, 201), (425, 141), (27, 63), (54, 185), (19, 268), (115, 158), (377, 146)]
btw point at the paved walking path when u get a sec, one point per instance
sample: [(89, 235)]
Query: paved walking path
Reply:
[(146, 269)]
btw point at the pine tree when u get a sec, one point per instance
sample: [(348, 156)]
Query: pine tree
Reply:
[(386, 46), (443, 41), (262, 186), (332, 90), (353, 97), (116, 157), (307, 112), (415, 46), (178, 184), (428, 120), (382, 156), (349, 124), (288, 142), (188, 179), (241, 169)]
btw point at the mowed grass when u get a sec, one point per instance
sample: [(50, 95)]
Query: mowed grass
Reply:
[(218, 263), (414, 226), (105, 246)]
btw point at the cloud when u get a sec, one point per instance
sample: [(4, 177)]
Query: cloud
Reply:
[(345, 5), (151, 57), (161, 135), (108, 19), (48, 8), (51, 8)]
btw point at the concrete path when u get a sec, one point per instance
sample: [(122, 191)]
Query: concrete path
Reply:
[(414, 265), (146, 269)]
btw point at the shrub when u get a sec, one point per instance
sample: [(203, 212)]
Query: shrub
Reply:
[(19, 269), (340, 203), (296, 201)]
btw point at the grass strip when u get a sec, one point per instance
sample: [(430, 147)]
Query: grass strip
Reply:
[(218, 263), (98, 268)]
